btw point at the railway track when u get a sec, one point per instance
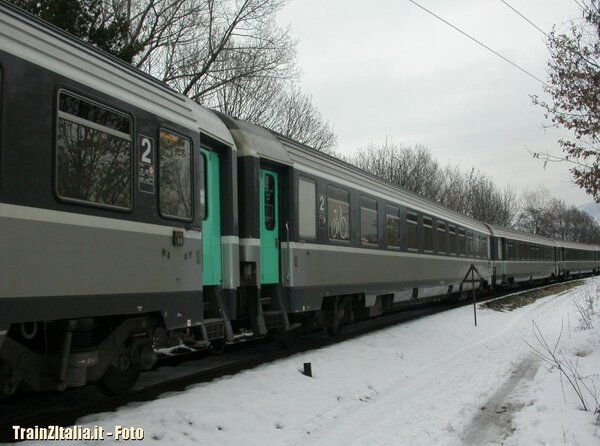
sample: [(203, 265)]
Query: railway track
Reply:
[(65, 408)]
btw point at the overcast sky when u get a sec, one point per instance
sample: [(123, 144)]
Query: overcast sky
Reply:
[(382, 69)]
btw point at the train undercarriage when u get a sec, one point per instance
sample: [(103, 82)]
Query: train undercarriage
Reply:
[(54, 356), (111, 351)]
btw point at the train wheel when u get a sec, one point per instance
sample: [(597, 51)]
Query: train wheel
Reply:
[(121, 375), (334, 330), (217, 346), (9, 381), (288, 340)]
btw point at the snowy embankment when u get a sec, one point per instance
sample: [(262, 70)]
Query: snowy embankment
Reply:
[(437, 380)]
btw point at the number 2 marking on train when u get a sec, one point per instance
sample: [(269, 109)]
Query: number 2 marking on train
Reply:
[(321, 203), (146, 146)]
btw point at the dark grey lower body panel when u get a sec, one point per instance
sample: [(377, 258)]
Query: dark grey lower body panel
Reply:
[(300, 299), (314, 264), (178, 309)]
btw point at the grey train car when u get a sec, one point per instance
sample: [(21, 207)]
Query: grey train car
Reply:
[(102, 202), (324, 243), (576, 259), (521, 257)]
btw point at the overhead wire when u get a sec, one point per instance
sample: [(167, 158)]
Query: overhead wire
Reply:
[(525, 18), (479, 43)]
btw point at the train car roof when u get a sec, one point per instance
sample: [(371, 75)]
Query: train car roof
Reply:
[(515, 234), (42, 43), (576, 245), (254, 140)]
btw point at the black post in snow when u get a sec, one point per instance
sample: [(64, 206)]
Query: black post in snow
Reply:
[(308, 369)]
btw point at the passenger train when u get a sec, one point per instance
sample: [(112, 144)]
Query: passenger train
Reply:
[(130, 215)]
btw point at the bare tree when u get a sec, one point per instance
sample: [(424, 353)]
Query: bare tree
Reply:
[(230, 55), (534, 215), (550, 217), (415, 169), (574, 89), (280, 106)]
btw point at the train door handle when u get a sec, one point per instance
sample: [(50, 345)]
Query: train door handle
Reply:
[(277, 243)]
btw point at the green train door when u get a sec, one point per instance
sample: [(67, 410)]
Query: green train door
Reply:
[(211, 225), (269, 228)]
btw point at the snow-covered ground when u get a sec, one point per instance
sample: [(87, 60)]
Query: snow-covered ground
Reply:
[(437, 380)]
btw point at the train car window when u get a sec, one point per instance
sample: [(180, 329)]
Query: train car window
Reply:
[(93, 153), (269, 202), (175, 176), (484, 247), (510, 250), (476, 245), (428, 234), (462, 241), (482, 250), (204, 193), (521, 250), (307, 208), (531, 251), (412, 231), (338, 213), (440, 241), (499, 249), (452, 239), (470, 246), (392, 226), (368, 221)]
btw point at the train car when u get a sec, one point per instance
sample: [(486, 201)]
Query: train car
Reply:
[(323, 241), (131, 216), (576, 259), (521, 257), (105, 177)]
